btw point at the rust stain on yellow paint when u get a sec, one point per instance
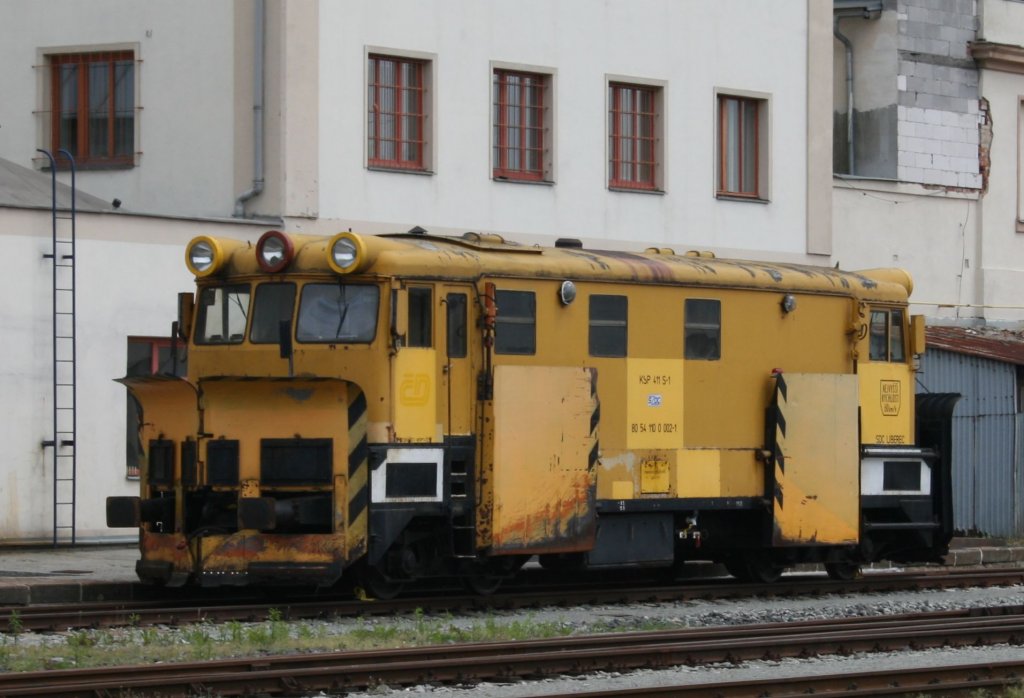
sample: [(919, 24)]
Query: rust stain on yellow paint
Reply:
[(544, 485), (166, 547), (234, 553), (816, 497)]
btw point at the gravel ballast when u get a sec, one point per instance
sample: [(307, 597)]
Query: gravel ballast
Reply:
[(703, 613)]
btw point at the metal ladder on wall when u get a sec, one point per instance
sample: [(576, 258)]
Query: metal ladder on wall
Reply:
[(64, 353)]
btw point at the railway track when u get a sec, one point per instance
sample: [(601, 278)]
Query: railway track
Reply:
[(60, 617), (962, 679), (295, 675)]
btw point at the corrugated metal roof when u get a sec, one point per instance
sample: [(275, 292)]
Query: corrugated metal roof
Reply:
[(987, 342), (21, 187)]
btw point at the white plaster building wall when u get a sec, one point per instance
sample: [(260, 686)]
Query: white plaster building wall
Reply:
[(693, 51), (185, 91), (932, 235), (1002, 21), (1002, 208), (129, 271)]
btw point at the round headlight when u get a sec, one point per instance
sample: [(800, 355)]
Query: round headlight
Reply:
[(567, 293), (203, 256), (274, 251), (346, 253)]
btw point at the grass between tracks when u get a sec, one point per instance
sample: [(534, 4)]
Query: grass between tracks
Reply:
[(20, 651)]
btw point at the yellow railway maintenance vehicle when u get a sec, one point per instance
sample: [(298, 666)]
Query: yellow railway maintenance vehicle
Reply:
[(408, 406)]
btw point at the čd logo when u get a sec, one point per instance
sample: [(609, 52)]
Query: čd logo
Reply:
[(414, 390)]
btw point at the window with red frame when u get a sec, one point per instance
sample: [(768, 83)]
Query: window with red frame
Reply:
[(738, 139), (519, 125), (93, 100), (633, 152), (396, 128)]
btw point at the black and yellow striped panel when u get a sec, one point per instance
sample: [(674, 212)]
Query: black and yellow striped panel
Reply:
[(595, 420), (779, 437), (358, 474), (815, 468)]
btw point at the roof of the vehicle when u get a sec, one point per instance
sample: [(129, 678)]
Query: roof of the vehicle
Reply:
[(475, 256)]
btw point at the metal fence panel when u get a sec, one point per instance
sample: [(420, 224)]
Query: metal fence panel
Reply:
[(987, 462)]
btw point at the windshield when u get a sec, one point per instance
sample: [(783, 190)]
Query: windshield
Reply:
[(274, 303), (338, 313), (222, 314)]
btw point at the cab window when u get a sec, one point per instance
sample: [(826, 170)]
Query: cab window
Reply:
[(420, 320), (515, 329), (338, 313), (896, 352), (222, 314), (273, 305), (457, 325), (702, 329), (608, 325), (887, 336)]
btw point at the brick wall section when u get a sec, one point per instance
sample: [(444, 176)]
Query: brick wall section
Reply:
[(937, 114)]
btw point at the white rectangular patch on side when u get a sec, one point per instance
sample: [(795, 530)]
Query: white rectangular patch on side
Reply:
[(895, 476), (409, 475)]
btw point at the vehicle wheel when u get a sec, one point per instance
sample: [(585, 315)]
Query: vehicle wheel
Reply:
[(842, 571), (375, 585), (482, 583), (738, 569), (763, 570)]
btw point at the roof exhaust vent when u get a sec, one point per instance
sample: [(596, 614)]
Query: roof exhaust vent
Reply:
[(417, 231), (570, 243)]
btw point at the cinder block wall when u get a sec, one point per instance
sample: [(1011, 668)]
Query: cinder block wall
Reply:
[(938, 113)]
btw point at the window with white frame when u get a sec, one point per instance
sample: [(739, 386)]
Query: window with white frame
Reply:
[(520, 123), (398, 111), (635, 143), (92, 106), (742, 135)]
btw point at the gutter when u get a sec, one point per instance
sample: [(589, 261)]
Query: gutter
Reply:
[(259, 40), (846, 9)]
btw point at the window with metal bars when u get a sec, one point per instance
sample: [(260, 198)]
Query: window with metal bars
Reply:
[(93, 107), (519, 130), (633, 149), (396, 127), (739, 145)]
